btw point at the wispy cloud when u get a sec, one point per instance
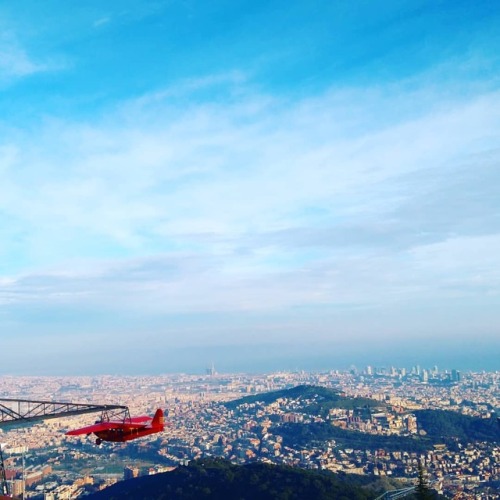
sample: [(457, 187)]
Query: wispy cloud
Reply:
[(15, 61), (256, 205), (101, 21)]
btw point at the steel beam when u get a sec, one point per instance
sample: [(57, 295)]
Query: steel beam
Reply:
[(18, 411)]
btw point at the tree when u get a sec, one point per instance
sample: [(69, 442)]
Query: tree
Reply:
[(422, 491)]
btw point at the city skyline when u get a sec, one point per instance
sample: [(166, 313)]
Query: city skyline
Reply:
[(261, 184)]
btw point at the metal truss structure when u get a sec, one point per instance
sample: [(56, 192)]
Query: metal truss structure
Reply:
[(19, 411), (15, 412), (395, 494)]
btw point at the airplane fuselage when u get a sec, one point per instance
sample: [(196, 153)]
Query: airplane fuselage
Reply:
[(122, 435)]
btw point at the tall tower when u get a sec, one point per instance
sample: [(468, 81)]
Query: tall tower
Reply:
[(211, 370)]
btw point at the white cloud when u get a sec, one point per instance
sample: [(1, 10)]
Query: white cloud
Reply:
[(256, 205), (15, 61)]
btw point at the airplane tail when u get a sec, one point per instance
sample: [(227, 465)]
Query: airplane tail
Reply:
[(158, 419)]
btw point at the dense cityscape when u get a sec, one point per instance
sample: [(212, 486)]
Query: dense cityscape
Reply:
[(233, 416)]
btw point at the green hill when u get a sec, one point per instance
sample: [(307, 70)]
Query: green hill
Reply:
[(440, 426), (313, 434), (446, 425), (217, 479), (324, 399)]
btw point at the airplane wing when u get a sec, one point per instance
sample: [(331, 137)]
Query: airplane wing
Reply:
[(102, 426), (140, 420), (107, 426), (132, 425)]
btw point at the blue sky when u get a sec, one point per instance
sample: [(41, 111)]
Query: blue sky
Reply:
[(265, 184)]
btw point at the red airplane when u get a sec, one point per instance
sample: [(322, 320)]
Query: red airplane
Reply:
[(124, 430)]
